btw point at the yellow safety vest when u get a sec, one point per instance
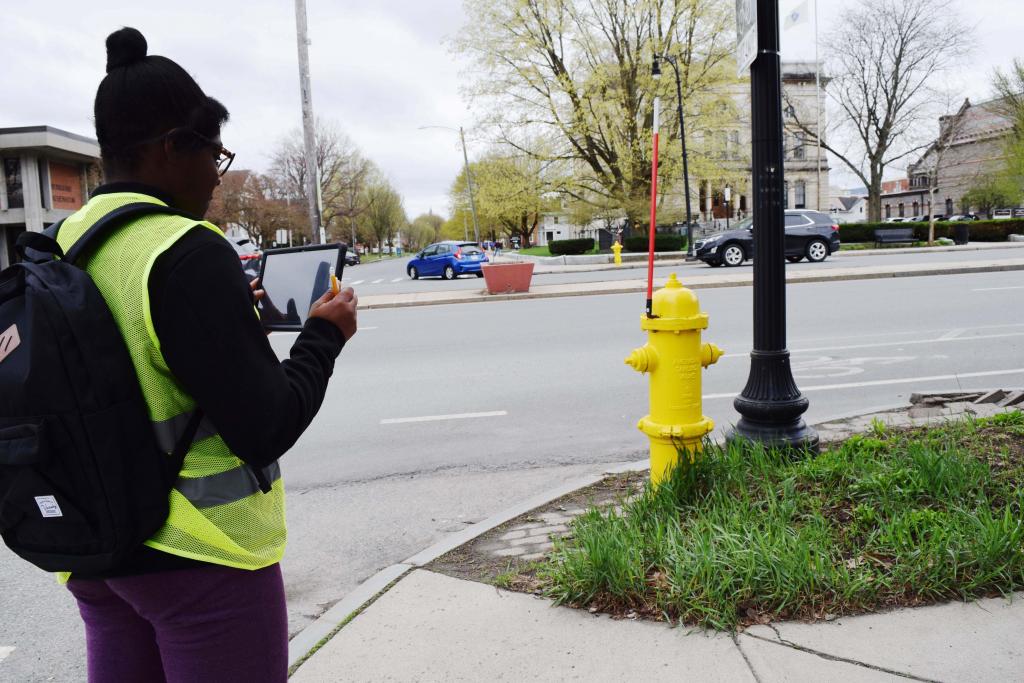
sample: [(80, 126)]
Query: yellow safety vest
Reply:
[(217, 512)]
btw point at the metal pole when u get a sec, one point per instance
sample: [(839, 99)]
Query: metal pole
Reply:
[(307, 121), (771, 405), (469, 183), (465, 227), (817, 103), (686, 166)]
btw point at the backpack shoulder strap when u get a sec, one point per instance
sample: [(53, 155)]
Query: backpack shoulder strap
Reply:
[(102, 227)]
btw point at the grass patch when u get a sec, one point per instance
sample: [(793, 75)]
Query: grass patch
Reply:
[(746, 536), (544, 251)]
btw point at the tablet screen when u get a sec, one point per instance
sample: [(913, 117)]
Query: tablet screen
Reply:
[(293, 279)]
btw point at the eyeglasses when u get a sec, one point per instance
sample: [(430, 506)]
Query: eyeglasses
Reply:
[(223, 157)]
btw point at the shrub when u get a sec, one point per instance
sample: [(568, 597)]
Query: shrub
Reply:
[(981, 231), (661, 243), (571, 247)]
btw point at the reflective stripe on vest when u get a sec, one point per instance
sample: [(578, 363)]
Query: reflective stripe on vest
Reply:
[(225, 487), (169, 432)]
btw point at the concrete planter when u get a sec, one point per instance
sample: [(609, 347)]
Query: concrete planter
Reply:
[(502, 278)]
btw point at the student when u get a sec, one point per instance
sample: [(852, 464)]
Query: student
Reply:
[(203, 599)]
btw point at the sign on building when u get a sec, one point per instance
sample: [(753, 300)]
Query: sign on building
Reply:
[(65, 186), (746, 35)]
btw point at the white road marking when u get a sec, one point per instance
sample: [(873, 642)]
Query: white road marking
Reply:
[(906, 342), (952, 334), (436, 418), (357, 282), (994, 289), (398, 279), (883, 382), (377, 282), (5, 651)]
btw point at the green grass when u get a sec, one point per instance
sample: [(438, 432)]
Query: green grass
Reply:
[(747, 535), (544, 251)]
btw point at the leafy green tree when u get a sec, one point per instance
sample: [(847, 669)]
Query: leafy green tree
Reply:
[(424, 229), (570, 81), (991, 192), (1009, 87), (384, 215)]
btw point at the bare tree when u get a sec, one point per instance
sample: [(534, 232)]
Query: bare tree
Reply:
[(385, 214), (931, 163), (342, 168), (887, 57)]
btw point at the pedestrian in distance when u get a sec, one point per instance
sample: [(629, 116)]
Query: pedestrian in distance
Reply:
[(203, 598)]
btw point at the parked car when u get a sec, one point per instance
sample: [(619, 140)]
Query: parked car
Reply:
[(962, 217), (809, 234), (448, 259), (351, 257), (895, 219), (250, 256)]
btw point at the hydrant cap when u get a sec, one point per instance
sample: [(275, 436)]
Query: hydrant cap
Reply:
[(675, 301)]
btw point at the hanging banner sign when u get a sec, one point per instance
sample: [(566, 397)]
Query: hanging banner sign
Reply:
[(746, 35)]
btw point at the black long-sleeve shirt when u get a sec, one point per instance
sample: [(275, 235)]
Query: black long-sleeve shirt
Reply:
[(214, 344)]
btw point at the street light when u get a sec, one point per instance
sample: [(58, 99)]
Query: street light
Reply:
[(682, 138), (469, 177), (771, 405)]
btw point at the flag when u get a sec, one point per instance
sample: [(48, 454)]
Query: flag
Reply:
[(797, 16)]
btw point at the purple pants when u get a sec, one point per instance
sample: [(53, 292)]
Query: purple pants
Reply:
[(207, 624)]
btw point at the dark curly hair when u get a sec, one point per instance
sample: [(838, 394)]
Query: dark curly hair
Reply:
[(143, 97)]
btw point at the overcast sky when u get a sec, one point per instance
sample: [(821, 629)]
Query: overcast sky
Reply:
[(380, 70)]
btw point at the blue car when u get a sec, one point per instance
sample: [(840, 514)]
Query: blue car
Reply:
[(448, 259)]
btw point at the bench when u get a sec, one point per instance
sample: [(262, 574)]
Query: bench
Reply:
[(894, 236)]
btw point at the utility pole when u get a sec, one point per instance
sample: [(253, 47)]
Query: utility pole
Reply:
[(469, 182), (771, 405), (308, 135)]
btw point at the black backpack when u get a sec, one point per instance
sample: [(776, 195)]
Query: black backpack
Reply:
[(82, 480)]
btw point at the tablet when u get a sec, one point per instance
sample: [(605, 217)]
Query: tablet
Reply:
[(293, 279)]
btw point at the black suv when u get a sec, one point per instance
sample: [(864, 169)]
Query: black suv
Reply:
[(809, 234)]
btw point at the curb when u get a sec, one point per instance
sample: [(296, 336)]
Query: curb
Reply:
[(634, 286), (303, 644)]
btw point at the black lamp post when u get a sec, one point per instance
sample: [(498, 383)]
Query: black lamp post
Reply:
[(771, 405), (682, 138)]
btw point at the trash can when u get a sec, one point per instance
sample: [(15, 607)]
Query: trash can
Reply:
[(961, 233)]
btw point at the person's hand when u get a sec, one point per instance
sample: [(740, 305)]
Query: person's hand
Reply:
[(257, 291), (339, 309)]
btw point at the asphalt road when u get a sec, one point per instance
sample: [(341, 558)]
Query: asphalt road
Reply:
[(389, 276), (440, 416)]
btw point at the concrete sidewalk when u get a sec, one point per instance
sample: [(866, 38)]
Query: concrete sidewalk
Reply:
[(717, 278), (431, 627)]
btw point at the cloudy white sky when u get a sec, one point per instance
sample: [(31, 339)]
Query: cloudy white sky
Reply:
[(380, 70)]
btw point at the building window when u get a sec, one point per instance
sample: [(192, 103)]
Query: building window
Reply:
[(12, 177), (734, 144), (949, 207), (556, 220), (900, 210), (798, 149), (888, 210), (915, 209), (550, 236), (800, 201)]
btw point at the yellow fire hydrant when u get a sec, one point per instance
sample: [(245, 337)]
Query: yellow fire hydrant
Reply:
[(674, 355), (617, 248)]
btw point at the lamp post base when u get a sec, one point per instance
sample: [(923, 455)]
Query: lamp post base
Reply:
[(771, 406)]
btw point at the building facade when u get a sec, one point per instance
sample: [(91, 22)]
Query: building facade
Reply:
[(970, 147), (47, 175)]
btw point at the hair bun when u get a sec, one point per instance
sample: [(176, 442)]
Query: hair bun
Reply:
[(125, 47)]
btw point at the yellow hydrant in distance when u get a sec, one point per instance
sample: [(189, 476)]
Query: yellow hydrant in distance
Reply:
[(674, 357), (617, 248)]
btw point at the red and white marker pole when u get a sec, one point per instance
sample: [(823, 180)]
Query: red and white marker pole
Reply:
[(654, 206)]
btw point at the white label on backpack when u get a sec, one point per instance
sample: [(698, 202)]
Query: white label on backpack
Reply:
[(48, 506)]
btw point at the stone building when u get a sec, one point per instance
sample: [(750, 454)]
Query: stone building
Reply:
[(969, 147), (805, 171), (47, 175)]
